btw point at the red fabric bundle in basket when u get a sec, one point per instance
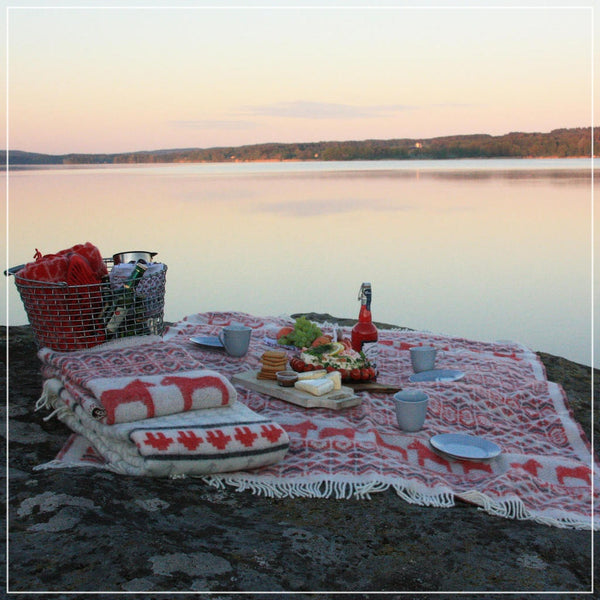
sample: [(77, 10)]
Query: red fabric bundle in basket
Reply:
[(62, 294), (55, 267)]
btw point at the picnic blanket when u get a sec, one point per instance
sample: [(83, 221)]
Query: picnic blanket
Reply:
[(546, 471), (167, 417)]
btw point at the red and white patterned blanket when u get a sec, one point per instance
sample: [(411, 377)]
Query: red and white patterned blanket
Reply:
[(546, 469), (146, 407), (544, 473), (132, 380), (195, 442)]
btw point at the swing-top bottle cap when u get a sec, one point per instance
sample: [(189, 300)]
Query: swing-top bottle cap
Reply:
[(364, 289)]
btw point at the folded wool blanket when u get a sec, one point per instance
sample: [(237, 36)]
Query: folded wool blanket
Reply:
[(196, 442), (131, 380), (149, 407)]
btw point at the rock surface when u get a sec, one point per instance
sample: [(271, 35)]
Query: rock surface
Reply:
[(82, 530)]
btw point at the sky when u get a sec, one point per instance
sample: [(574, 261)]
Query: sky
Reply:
[(96, 77)]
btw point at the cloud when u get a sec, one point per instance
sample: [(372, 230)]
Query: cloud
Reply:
[(302, 109), (324, 110), (323, 206), (214, 124)]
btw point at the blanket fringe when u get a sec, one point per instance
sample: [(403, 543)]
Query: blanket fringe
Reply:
[(49, 392), (44, 400), (515, 509), (59, 464), (52, 464), (340, 490), (440, 500), (512, 509)]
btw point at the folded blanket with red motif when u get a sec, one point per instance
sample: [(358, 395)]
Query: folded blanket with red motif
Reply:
[(135, 379), (196, 442), (150, 407)]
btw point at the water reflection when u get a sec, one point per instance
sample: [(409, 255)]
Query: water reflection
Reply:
[(488, 254)]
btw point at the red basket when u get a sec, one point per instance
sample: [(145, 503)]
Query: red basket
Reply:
[(72, 317)]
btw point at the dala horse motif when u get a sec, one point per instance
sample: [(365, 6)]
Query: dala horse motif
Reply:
[(301, 428), (582, 472), (384, 444), (532, 466), (425, 453), (138, 391), (135, 391), (335, 431), (188, 385)]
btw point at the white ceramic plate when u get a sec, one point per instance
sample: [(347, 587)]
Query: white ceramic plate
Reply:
[(209, 341), (269, 341), (437, 375), (470, 447)]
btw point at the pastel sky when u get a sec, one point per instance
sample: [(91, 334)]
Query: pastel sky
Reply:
[(129, 76)]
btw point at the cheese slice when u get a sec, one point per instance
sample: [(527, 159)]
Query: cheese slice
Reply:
[(316, 387), (312, 375), (336, 377)]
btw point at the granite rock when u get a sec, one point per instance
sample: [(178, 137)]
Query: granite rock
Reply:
[(72, 531)]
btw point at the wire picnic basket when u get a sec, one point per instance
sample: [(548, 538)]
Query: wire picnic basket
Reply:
[(67, 317)]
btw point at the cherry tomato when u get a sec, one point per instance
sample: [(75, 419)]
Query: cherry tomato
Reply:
[(355, 374), (365, 375)]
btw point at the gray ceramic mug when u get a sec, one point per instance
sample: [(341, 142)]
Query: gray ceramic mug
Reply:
[(422, 358), (236, 339), (411, 409)]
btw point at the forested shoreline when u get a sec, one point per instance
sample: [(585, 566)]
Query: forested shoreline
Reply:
[(558, 143)]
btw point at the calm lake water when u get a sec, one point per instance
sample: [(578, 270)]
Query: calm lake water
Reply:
[(489, 249)]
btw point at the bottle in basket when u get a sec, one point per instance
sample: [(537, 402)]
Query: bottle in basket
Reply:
[(364, 333), (124, 299)]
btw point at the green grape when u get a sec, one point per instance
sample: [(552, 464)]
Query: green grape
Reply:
[(303, 335)]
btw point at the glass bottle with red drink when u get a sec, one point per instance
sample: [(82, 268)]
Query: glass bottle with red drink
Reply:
[(364, 333)]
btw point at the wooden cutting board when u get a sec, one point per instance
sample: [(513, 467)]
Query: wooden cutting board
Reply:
[(336, 399), (380, 388)]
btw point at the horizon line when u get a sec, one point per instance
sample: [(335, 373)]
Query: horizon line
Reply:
[(100, 153)]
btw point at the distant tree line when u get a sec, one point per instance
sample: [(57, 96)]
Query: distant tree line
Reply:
[(561, 143)]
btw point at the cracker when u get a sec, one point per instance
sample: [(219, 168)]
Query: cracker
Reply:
[(277, 354)]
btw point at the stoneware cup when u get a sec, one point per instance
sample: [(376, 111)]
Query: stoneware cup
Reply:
[(235, 339), (422, 358), (411, 409)]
